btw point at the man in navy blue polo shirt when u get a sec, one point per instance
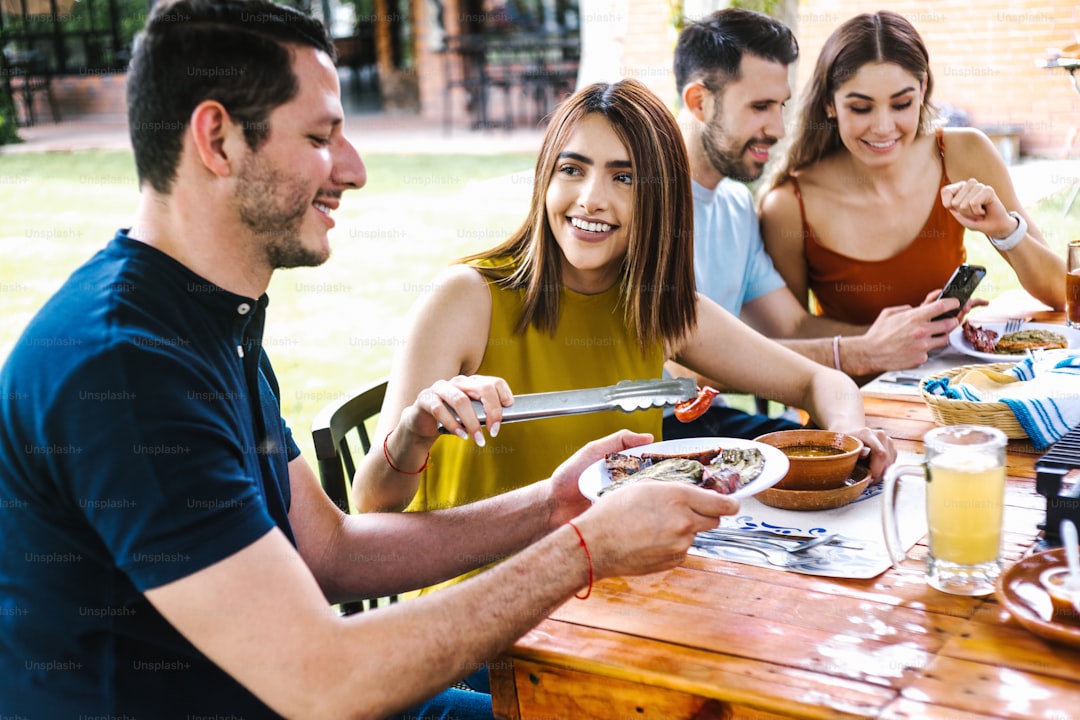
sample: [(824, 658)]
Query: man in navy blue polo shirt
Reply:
[(167, 551)]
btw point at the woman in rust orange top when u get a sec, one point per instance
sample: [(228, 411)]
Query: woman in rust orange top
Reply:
[(869, 207)]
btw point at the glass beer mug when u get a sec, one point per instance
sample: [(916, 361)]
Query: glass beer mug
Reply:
[(964, 471), (1072, 284)]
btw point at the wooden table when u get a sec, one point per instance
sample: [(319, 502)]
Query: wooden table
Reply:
[(713, 639)]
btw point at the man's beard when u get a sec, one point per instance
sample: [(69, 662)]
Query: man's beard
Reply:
[(729, 162), (272, 205)]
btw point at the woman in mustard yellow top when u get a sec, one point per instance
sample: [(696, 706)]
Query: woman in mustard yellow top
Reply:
[(595, 287)]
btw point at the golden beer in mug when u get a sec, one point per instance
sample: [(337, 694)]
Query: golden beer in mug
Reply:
[(964, 471)]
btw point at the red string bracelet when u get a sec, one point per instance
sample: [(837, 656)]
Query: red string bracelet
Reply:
[(386, 454), (588, 556)]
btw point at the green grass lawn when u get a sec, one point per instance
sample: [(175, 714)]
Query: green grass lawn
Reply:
[(330, 329), (1055, 226), (335, 327)]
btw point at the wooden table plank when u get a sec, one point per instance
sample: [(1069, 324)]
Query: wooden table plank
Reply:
[(552, 692), (1007, 644), (655, 667), (805, 601), (898, 409), (715, 639), (997, 691), (905, 586), (504, 699), (883, 663), (907, 709)]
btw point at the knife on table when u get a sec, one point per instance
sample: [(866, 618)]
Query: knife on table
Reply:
[(627, 395), (902, 379)]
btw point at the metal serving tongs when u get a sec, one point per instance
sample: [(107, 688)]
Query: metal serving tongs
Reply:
[(628, 396)]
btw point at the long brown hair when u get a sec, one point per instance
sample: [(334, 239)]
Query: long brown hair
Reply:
[(657, 279), (881, 37)]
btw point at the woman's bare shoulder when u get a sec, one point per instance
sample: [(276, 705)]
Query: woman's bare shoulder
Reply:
[(965, 141), (453, 290), (969, 153), (459, 280), (963, 134), (780, 200), (455, 314), (781, 220)]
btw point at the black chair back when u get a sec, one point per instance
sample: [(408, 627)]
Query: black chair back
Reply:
[(354, 413), (330, 433)]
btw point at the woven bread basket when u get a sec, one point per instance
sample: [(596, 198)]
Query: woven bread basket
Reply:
[(967, 412)]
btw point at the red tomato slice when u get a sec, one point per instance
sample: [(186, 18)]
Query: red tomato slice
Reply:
[(690, 410)]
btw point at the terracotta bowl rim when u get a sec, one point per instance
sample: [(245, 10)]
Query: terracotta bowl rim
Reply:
[(845, 438)]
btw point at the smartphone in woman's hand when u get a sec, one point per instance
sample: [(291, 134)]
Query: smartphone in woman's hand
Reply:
[(961, 285)]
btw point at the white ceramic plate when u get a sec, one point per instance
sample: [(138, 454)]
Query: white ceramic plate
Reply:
[(596, 476), (959, 342)]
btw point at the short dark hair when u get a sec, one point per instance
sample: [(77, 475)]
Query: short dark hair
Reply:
[(711, 49), (232, 51)]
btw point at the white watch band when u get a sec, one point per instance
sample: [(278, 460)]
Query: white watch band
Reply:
[(1014, 238)]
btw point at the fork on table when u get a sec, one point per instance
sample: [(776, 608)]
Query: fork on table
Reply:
[(1013, 325), (773, 555)]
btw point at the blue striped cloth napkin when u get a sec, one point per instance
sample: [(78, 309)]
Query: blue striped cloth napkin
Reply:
[(1042, 391)]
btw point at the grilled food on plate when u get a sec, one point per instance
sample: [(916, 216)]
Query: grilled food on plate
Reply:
[(723, 470), (1014, 343), (1018, 342)]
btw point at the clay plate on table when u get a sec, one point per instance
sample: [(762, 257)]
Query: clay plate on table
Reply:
[(1026, 600), (818, 499)]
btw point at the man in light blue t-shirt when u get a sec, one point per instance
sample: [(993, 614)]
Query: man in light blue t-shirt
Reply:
[(731, 69), (732, 266)]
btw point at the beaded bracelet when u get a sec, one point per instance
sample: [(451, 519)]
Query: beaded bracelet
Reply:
[(386, 454), (588, 556)]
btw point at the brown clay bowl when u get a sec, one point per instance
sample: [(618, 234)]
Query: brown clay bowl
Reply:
[(1027, 600), (818, 499), (819, 472)]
